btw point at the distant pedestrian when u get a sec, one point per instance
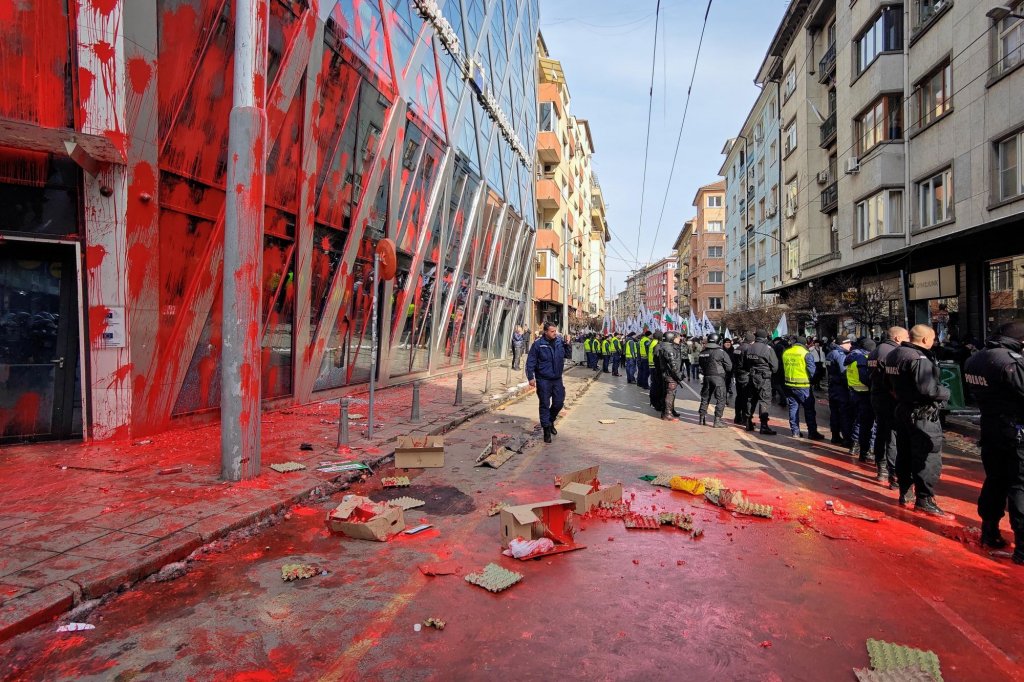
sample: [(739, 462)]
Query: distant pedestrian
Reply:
[(518, 347), (544, 366)]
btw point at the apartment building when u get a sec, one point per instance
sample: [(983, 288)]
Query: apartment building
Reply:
[(707, 244), (681, 247), (660, 285), (570, 208), (751, 171), (902, 128)]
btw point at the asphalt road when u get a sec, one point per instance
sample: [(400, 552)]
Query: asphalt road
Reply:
[(791, 598)]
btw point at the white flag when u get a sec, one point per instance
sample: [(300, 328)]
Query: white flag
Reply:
[(705, 325), (728, 334), (782, 329)]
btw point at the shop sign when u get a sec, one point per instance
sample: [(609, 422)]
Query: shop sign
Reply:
[(935, 283)]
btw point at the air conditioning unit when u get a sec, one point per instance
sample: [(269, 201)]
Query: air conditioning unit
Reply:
[(824, 177), (770, 210), (852, 165), (790, 211), (796, 273)]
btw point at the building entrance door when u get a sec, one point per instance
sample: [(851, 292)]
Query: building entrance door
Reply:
[(39, 349)]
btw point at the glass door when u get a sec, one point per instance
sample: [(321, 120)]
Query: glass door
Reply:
[(39, 373)]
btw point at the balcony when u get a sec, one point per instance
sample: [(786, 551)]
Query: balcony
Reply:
[(830, 198), (549, 150), (548, 195), (750, 193), (828, 131), (827, 65)]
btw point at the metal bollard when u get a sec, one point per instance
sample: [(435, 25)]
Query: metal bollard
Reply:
[(415, 416), (458, 390), (343, 422), (487, 381)]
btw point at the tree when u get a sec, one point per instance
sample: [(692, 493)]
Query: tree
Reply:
[(867, 304), (753, 314)]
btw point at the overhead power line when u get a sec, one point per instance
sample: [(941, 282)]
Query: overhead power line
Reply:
[(647, 144), (679, 139)]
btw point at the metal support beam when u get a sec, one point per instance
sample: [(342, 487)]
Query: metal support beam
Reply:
[(243, 246)]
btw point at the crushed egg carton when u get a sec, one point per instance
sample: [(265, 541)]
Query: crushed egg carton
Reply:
[(679, 520), (494, 578), (886, 657), (406, 503), (395, 481), (496, 508), (613, 510), (641, 522), (662, 480), (285, 467), (897, 675)]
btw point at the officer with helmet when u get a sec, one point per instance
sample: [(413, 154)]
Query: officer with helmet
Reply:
[(715, 365)]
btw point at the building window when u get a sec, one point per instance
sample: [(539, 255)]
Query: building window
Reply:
[(760, 171), (773, 152), (714, 201), (775, 242), (925, 10), (1011, 175), (879, 215), (715, 277), (882, 121), (935, 199), (760, 253), (1000, 276), (790, 137), (934, 94), (715, 226), (715, 303), (790, 86), (792, 198), (548, 117), (714, 252), (793, 255), (885, 34), (547, 265), (1010, 45)]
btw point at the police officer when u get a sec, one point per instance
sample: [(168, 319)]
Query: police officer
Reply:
[(643, 368), (858, 378), (742, 379), (657, 389), (544, 371), (839, 392), (728, 347), (761, 363), (606, 353), (669, 363), (715, 365), (588, 348), (797, 370), (616, 346), (631, 349), (913, 378), (995, 376), (883, 405)]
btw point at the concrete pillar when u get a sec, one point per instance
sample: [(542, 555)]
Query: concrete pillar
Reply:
[(243, 246)]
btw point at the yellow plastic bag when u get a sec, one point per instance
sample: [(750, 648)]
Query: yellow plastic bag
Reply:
[(687, 485)]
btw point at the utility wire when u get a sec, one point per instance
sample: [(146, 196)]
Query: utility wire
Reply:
[(647, 145), (679, 139)]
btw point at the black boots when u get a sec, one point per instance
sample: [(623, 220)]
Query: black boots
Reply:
[(990, 535), (703, 420), (676, 414), (767, 430), (547, 434), (750, 425), (814, 435), (928, 506), (554, 431), (906, 496)]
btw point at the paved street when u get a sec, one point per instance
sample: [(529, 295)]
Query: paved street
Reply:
[(792, 598)]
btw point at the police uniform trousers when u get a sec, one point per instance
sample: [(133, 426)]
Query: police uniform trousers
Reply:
[(740, 405), (551, 393), (918, 451), (863, 419), (657, 391), (643, 373), (713, 387), (1004, 483), (839, 420), (759, 396), (885, 434)]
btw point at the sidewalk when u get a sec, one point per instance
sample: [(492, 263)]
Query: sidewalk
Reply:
[(81, 520)]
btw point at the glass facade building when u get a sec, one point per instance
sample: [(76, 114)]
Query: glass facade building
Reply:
[(413, 120)]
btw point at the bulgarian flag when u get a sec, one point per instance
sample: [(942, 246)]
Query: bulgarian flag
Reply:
[(670, 321)]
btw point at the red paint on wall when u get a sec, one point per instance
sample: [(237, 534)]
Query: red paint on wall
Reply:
[(94, 255), (139, 74), (105, 7), (122, 373), (104, 51), (97, 322)]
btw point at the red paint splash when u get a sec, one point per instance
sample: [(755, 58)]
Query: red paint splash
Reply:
[(97, 322), (139, 73), (104, 7)]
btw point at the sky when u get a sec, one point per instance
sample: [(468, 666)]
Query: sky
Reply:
[(605, 49)]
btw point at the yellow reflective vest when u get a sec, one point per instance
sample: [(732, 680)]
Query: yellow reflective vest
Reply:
[(794, 367), (650, 352), (645, 342), (586, 345), (853, 377)]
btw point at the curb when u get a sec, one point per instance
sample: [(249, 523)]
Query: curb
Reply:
[(30, 610)]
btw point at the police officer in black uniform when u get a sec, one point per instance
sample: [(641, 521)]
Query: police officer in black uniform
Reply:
[(668, 361), (762, 364), (995, 376), (715, 365), (742, 379), (884, 406), (913, 379)]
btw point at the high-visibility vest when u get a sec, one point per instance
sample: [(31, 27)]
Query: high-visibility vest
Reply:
[(586, 345), (605, 347), (631, 349), (794, 366), (645, 342), (616, 345), (853, 377), (650, 352)]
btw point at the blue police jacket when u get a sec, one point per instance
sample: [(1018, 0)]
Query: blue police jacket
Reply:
[(546, 359), (836, 364)]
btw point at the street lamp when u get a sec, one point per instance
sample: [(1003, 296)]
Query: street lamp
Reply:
[(1000, 12)]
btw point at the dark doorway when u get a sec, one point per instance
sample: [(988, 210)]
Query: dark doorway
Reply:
[(39, 374)]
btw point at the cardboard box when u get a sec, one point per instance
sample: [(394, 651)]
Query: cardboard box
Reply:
[(586, 498), (552, 519), (419, 452), (582, 476), (362, 518)]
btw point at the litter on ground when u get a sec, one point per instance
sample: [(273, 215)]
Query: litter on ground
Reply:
[(494, 578)]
